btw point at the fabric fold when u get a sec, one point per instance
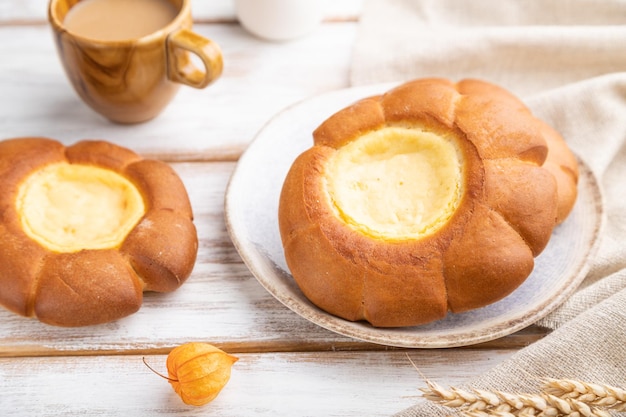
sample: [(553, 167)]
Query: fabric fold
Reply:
[(527, 46)]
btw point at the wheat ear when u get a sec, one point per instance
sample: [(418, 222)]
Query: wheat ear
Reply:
[(600, 395), (478, 403)]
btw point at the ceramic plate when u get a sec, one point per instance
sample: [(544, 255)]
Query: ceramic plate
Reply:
[(251, 209)]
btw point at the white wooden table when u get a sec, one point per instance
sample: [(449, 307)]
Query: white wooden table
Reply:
[(288, 366)]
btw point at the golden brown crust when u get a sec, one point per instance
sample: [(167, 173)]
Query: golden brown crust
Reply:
[(153, 177), (505, 217), (20, 257), (85, 288), (436, 105), (19, 157), (511, 190), (304, 240), (561, 163), (498, 128), (21, 260), (93, 286), (165, 262), (100, 153), (350, 123), (486, 262)]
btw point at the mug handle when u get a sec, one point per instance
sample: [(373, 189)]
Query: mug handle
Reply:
[(208, 52)]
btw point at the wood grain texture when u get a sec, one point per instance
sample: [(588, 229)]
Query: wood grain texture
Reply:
[(275, 384), (217, 123), (288, 366)]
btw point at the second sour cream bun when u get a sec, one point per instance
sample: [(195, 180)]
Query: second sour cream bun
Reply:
[(434, 197)]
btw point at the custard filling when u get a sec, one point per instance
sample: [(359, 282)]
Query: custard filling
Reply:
[(396, 183), (70, 207)]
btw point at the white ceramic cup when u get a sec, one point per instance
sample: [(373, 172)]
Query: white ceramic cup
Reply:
[(279, 20)]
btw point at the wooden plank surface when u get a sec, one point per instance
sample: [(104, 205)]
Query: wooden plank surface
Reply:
[(271, 384), (260, 79), (288, 366)]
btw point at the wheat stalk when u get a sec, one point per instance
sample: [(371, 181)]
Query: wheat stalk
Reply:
[(600, 395), (480, 403)]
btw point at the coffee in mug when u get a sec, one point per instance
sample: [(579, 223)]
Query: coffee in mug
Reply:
[(115, 20), (127, 58)]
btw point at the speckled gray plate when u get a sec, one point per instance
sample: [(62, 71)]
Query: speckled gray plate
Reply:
[(251, 209)]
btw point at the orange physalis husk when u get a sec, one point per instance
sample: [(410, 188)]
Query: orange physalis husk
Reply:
[(198, 371)]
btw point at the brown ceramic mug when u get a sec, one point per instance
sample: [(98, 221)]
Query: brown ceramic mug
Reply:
[(132, 80)]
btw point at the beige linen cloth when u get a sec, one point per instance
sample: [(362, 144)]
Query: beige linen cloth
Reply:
[(567, 60)]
